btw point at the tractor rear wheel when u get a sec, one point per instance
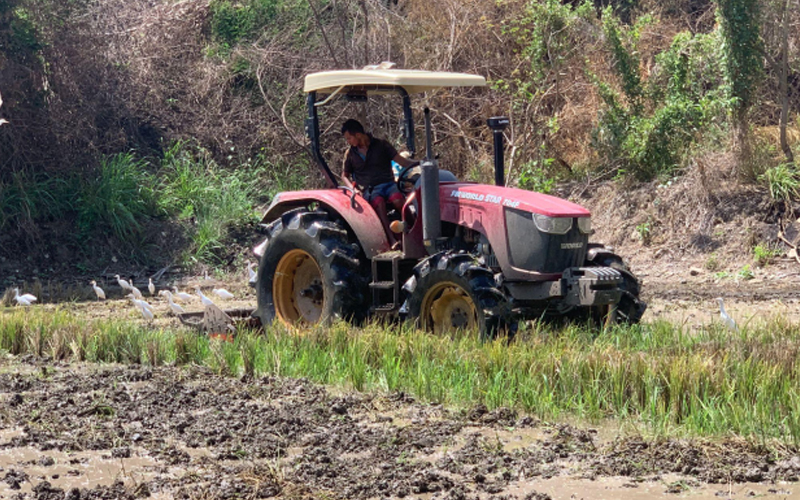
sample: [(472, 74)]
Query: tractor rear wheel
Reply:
[(630, 309), (310, 272), (450, 291)]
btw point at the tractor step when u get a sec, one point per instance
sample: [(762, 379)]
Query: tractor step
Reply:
[(385, 282), (382, 285), (389, 271), (214, 321)]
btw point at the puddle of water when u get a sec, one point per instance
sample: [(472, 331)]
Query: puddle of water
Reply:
[(623, 488), (87, 470), (7, 435), (511, 440)]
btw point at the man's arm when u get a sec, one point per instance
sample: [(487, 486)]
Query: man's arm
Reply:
[(347, 174), (404, 162)]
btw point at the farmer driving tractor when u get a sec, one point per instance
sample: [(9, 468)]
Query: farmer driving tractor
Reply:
[(368, 169)]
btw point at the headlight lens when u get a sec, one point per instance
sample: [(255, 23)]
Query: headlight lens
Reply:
[(552, 225), (585, 224)]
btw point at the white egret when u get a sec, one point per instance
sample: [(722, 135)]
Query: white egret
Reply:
[(172, 305), (222, 293), (726, 320), (101, 295), (140, 303), (122, 283), (205, 300), (151, 287), (24, 300), (251, 274), (181, 295), (136, 292), (2, 121), (27, 296)]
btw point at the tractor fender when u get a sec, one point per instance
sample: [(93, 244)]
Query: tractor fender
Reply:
[(356, 212), (596, 249)]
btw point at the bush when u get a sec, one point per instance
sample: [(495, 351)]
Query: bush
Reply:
[(783, 182), (232, 21), (27, 198), (120, 198), (535, 178), (648, 128), (208, 198)]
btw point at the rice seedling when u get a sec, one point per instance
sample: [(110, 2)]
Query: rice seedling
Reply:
[(658, 376)]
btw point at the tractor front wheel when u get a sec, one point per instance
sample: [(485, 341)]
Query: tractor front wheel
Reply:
[(310, 272), (630, 308), (450, 291)]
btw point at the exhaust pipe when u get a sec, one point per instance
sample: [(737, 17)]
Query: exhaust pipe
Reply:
[(498, 124), (429, 185)]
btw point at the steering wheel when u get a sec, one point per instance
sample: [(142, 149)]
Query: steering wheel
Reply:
[(407, 178)]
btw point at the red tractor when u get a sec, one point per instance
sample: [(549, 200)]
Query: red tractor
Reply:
[(473, 255)]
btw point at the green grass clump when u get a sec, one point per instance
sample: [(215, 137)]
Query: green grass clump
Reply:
[(235, 21), (212, 200), (783, 182), (658, 376), (119, 198), (27, 197)]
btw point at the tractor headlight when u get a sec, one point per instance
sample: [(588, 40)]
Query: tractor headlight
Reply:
[(552, 225), (585, 225)]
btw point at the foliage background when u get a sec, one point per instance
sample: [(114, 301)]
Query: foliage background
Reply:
[(114, 106)]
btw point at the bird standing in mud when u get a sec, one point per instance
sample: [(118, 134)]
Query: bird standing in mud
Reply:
[(143, 307), (141, 304), (101, 295), (122, 283), (222, 293), (251, 274), (172, 305), (729, 323), (151, 287), (181, 295), (24, 300), (136, 292), (205, 300)]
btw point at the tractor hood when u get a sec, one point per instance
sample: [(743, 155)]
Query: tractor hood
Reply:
[(486, 196)]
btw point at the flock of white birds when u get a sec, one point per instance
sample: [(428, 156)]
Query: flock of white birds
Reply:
[(138, 300)]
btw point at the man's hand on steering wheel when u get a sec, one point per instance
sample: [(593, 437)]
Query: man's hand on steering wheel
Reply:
[(401, 178)]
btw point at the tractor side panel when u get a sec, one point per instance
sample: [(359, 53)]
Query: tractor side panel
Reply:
[(359, 216), (481, 207)]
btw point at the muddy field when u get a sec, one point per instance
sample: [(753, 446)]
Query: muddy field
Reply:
[(71, 431)]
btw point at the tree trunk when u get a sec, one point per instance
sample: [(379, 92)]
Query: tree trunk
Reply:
[(784, 76)]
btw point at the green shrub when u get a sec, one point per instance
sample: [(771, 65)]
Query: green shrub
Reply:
[(235, 21), (119, 198), (783, 182), (535, 178), (649, 127), (764, 254), (28, 197), (197, 190)]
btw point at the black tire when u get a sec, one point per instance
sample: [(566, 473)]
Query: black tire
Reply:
[(337, 288), (475, 299), (630, 308)]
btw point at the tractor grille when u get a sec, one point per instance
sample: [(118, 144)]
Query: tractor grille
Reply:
[(533, 250)]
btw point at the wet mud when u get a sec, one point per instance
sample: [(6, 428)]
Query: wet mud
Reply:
[(73, 431)]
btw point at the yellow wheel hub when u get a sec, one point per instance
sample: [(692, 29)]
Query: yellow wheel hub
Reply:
[(448, 307), (297, 290)]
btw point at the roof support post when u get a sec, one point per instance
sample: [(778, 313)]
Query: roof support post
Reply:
[(312, 132), (408, 122)]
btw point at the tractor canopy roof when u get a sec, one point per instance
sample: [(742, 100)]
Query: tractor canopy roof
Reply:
[(377, 80)]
